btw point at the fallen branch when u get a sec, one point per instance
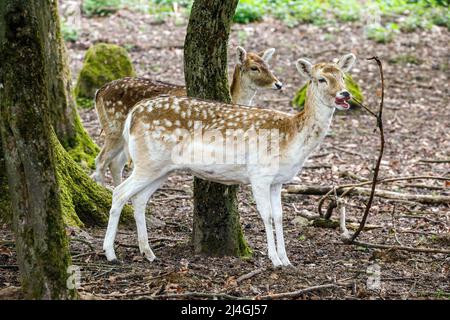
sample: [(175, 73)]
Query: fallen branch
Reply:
[(195, 295), (349, 152), (249, 275), (325, 190), (404, 248), (366, 182), (86, 242), (435, 161), (421, 186), (318, 221), (295, 294)]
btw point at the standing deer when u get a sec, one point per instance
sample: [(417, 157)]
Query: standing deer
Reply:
[(114, 101), (154, 127)]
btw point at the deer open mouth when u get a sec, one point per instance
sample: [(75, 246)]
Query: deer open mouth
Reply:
[(342, 103)]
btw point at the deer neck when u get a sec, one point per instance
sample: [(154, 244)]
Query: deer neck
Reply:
[(310, 126), (241, 92)]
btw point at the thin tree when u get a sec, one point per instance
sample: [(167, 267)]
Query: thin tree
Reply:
[(216, 230)]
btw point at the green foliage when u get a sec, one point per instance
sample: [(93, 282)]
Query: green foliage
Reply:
[(352, 87), (182, 3), (103, 63), (163, 8), (299, 11), (439, 17), (382, 34), (414, 14), (69, 33), (100, 7), (246, 13), (84, 150), (347, 10)]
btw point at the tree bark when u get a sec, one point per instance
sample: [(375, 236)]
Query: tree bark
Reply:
[(83, 201), (216, 229), (41, 242), (63, 112)]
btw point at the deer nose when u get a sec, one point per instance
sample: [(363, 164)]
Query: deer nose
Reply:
[(344, 94), (278, 85)]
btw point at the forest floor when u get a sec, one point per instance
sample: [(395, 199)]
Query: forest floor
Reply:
[(417, 122)]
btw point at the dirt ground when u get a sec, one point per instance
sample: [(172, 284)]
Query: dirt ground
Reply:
[(417, 122)]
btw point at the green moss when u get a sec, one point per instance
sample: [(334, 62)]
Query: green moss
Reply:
[(245, 251), (84, 202), (5, 207), (82, 149), (352, 87), (325, 223), (103, 63)]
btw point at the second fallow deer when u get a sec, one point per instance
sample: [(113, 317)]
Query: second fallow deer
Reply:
[(114, 100), (260, 147)]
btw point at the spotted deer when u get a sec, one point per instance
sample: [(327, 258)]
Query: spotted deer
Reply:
[(114, 100), (157, 129)]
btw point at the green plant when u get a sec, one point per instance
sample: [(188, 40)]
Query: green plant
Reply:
[(440, 17), (69, 33), (346, 10), (100, 7), (247, 12), (308, 11), (382, 34)]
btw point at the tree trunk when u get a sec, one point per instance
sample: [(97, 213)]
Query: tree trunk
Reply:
[(41, 242), (63, 112), (83, 201), (5, 208), (216, 230)]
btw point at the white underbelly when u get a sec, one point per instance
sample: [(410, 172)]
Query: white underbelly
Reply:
[(225, 174)]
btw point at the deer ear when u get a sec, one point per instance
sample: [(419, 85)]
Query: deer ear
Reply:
[(346, 62), (267, 55), (241, 55), (304, 67)]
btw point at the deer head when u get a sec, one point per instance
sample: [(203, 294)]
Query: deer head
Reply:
[(326, 81), (251, 73)]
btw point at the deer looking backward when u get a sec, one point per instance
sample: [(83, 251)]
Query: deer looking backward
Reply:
[(154, 127), (114, 101)]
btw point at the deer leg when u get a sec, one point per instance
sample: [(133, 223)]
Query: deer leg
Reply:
[(121, 195), (261, 193), (139, 205), (110, 150), (116, 167), (277, 215)]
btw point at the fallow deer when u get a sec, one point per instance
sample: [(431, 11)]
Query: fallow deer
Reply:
[(157, 129), (116, 99)]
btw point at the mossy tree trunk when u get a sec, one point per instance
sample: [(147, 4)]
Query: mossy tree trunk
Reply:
[(5, 208), (216, 229), (41, 242), (83, 201), (63, 112)]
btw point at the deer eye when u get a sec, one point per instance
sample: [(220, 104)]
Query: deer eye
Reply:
[(322, 80), (254, 68)]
